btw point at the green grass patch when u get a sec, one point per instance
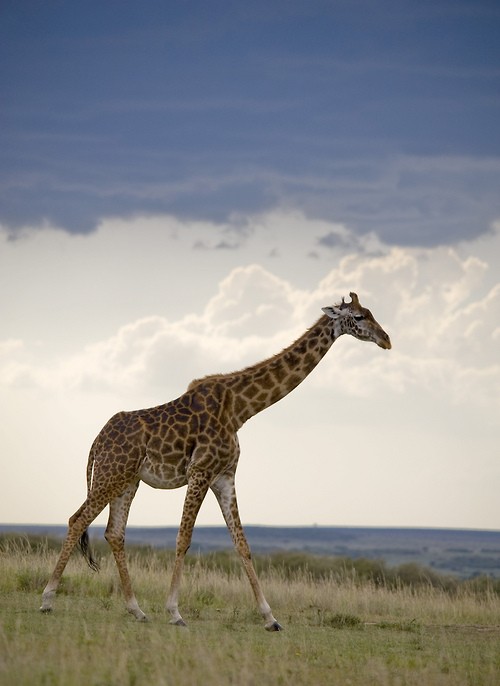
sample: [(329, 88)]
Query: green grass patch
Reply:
[(340, 627)]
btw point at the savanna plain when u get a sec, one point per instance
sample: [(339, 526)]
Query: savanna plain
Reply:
[(344, 623)]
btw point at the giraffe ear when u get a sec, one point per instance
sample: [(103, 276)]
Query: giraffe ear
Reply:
[(332, 312)]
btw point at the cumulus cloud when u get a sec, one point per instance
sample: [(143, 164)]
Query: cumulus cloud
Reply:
[(442, 319), (251, 301)]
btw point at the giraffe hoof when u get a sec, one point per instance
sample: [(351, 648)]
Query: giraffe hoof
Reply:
[(45, 610), (178, 622), (274, 627), (138, 614)]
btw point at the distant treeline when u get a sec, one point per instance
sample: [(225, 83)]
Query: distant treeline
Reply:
[(286, 565)]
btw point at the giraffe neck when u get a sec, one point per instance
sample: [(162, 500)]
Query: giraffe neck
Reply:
[(263, 384)]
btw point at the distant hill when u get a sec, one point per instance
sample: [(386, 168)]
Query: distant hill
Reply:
[(463, 553)]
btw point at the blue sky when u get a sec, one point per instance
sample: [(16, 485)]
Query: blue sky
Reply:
[(380, 115), (184, 186)]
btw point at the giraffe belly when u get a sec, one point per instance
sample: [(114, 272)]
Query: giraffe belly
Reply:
[(166, 477)]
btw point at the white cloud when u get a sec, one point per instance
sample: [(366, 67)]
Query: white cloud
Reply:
[(250, 301), (443, 327)]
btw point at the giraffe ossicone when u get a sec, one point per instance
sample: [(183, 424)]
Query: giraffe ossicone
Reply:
[(192, 441)]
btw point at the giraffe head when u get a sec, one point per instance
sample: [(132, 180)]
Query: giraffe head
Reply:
[(356, 320)]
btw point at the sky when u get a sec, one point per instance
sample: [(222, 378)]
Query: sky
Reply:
[(184, 185)]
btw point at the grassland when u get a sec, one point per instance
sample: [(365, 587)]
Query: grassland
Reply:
[(341, 627)]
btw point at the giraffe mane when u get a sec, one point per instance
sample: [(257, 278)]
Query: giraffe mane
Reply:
[(214, 377), (252, 367), (204, 379)]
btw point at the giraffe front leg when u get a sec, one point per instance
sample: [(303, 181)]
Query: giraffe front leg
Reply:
[(225, 492), (196, 491), (47, 599), (173, 596)]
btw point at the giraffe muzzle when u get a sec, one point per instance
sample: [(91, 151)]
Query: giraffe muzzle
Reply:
[(384, 342)]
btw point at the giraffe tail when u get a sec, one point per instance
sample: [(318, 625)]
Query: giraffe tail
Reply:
[(87, 552), (84, 542)]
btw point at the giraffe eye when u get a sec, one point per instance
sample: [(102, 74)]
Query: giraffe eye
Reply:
[(358, 317)]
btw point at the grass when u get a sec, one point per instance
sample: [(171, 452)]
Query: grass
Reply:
[(339, 629)]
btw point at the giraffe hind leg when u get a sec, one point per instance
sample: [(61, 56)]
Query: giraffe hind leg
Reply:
[(115, 536), (78, 524)]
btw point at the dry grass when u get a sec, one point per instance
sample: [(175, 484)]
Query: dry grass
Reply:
[(336, 631)]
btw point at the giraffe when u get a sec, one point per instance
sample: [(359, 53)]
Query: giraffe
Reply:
[(193, 441)]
